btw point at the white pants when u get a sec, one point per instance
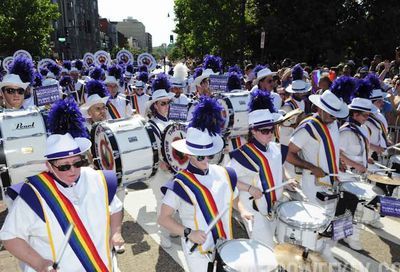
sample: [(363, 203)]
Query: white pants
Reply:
[(262, 230), (196, 262)]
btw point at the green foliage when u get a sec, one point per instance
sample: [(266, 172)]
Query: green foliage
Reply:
[(314, 31), (26, 24)]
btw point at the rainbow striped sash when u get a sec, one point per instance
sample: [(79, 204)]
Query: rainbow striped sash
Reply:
[(113, 111), (64, 211), (135, 104), (236, 142), (205, 201), (265, 172), (379, 124), (291, 103), (325, 137)]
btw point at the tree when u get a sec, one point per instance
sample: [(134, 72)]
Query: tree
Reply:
[(26, 24)]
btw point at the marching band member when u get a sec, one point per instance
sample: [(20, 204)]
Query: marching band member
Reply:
[(177, 86), (354, 154), (314, 147), (200, 192), (118, 106), (202, 82), (13, 90), (139, 98), (159, 107), (258, 165), (264, 81)]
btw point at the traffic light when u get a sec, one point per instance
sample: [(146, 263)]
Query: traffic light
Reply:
[(66, 31), (171, 38)]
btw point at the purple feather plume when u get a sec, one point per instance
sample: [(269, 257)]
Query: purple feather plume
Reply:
[(260, 100), (23, 67), (257, 69), (374, 81), (297, 72), (234, 82), (65, 116), (161, 82), (44, 71), (54, 68), (235, 69), (363, 89), (212, 62), (143, 68), (129, 68), (144, 77), (197, 72), (79, 64), (65, 81), (37, 80), (207, 115), (67, 64), (97, 73), (344, 87), (115, 71), (96, 87)]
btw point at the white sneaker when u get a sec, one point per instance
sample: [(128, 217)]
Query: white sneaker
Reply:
[(376, 224), (165, 242)]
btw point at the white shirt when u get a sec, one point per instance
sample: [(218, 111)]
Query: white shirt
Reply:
[(88, 198), (141, 101), (352, 145), (182, 99), (122, 105)]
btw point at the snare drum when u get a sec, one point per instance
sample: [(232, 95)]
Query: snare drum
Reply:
[(235, 113), (127, 146), (245, 255), (23, 144), (300, 223), (365, 193)]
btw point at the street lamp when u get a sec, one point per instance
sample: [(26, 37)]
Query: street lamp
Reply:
[(164, 45)]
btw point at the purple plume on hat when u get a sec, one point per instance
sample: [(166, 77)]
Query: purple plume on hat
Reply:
[(97, 73), (363, 88), (65, 81), (44, 71), (129, 68), (143, 68), (116, 71), (297, 72), (261, 100), (161, 82), (103, 66), (65, 116), (54, 68), (96, 87), (24, 68), (344, 87), (257, 69), (234, 82), (197, 72), (67, 65), (207, 115), (144, 77), (37, 80), (79, 64), (235, 69), (374, 81), (212, 62)]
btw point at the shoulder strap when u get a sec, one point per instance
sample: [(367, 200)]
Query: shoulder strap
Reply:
[(239, 156), (232, 176), (112, 183)]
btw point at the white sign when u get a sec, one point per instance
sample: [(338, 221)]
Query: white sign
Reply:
[(262, 40)]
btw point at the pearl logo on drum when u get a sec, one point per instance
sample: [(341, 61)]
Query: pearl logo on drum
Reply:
[(25, 126)]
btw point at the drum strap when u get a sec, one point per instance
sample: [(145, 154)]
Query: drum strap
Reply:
[(113, 111), (156, 129), (291, 103), (80, 242), (379, 125), (135, 104)]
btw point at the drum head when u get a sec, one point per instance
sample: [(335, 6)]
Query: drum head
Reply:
[(362, 190), (302, 214), (175, 159), (105, 146), (247, 255)]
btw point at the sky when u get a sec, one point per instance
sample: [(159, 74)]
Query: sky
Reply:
[(152, 13)]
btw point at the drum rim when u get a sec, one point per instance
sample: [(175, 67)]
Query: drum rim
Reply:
[(304, 226), (341, 184), (163, 153)]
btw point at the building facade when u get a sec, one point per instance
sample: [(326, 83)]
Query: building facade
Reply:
[(77, 29), (136, 34)]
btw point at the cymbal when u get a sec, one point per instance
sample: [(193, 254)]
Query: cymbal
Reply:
[(290, 257), (384, 179), (291, 114)]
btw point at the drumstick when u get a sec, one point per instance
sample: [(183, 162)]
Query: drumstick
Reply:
[(300, 192), (63, 246), (275, 187), (381, 165), (396, 148), (212, 225), (393, 146), (382, 170)]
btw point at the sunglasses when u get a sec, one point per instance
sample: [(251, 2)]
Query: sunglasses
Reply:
[(266, 131), (20, 91), (163, 103), (269, 80), (66, 167), (202, 158)]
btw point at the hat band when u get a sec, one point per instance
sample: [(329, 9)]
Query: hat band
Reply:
[(360, 108), (302, 89), (63, 153), (376, 97), (262, 124), (329, 106), (199, 146)]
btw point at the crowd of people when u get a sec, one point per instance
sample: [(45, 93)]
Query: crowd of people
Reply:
[(307, 130)]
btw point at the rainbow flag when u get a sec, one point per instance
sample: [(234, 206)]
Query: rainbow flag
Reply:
[(265, 172), (64, 211), (205, 201)]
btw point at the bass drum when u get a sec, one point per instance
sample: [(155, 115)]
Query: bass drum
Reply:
[(22, 146), (127, 146), (177, 160), (235, 113)]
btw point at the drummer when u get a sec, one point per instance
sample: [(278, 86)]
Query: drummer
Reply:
[(314, 147), (197, 208), (202, 82), (139, 98), (13, 90), (258, 165), (354, 146), (177, 86)]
